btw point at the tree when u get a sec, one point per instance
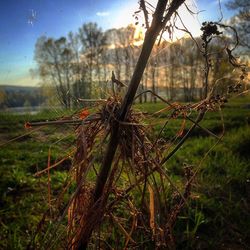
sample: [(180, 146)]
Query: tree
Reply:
[(80, 83), (126, 43), (54, 65), (192, 60), (173, 57), (77, 67), (242, 21), (70, 64), (92, 40)]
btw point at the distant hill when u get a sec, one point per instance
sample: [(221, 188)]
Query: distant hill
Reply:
[(20, 96), (16, 88)]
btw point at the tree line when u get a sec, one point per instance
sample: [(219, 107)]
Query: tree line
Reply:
[(20, 97), (80, 65)]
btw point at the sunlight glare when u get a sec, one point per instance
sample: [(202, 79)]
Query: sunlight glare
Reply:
[(139, 35), (191, 22)]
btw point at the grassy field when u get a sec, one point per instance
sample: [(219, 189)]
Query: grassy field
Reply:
[(217, 216)]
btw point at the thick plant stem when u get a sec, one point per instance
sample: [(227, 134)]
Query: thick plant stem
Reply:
[(157, 25), (128, 100)]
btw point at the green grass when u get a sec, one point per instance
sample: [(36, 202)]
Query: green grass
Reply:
[(24, 196), (217, 214)]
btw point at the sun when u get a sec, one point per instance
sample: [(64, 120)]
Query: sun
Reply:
[(139, 35), (124, 17), (185, 20)]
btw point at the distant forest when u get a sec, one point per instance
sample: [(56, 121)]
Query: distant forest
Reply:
[(18, 96)]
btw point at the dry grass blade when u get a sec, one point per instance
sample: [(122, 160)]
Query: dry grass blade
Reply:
[(55, 164), (152, 209), (49, 180), (127, 235), (19, 137)]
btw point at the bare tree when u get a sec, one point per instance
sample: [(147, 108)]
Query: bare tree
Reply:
[(173, 70), (190, 67), (126, 40), (93, 40), (79, 88), (54, 61)]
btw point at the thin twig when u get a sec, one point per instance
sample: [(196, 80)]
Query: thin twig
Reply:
[(92, 100), (172, 106), (145, 12), (61, 122), (184, 138)]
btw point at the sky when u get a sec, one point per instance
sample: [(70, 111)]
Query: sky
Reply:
[(24, 21)]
